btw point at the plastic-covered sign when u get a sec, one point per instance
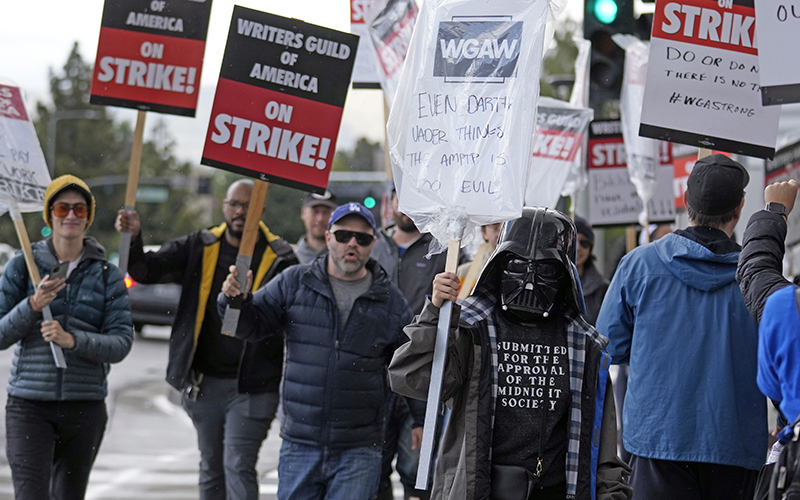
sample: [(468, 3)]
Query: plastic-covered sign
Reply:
[(642, 153), (578, 175), (365, 70), (560, 135), (390, 24), (703, 79), (150, 55), (461, 126), (23, 172)]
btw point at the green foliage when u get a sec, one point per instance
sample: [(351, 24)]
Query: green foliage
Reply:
[(366, 157), (559, 61)]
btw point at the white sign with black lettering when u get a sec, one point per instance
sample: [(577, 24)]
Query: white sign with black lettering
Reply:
[(612, 196), (703, 79), (23, 171), (778, 25), (460, 129)]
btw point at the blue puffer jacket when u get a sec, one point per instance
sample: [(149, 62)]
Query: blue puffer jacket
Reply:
[(335, 384), (93, 307), (675, 313)]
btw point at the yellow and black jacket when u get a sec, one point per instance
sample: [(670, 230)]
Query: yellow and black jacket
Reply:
[(190, 261)]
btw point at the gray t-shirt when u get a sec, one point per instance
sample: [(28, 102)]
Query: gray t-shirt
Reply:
[(346, 293)]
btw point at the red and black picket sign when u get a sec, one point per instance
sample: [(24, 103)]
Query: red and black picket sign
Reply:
[(150, 55), (279, 99)]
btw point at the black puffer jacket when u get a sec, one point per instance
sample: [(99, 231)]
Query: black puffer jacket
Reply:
[(761, 261), (334, 382)]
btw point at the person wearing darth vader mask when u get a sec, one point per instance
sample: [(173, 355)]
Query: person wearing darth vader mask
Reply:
[(526, 377)]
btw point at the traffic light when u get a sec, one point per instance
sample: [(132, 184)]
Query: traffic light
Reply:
[(601, 20)]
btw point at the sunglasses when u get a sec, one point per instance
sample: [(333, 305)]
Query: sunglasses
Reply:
[(344, 236), (81, 210), (585, 243)]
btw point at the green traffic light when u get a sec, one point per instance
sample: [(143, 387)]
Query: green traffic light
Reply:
[(369, 202), (605, 11)]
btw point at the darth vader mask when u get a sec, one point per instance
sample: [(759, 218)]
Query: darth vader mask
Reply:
[(531, 290)]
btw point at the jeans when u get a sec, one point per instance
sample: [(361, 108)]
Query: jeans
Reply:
[(51, 446), (313, 473), (230, 429)]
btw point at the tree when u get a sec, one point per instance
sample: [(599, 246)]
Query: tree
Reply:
[(559, 61), (367, 156)]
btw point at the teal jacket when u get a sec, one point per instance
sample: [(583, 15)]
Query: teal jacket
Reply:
[(93, 307)]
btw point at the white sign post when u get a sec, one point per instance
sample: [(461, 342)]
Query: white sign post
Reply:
[(460, 132), (23, 179), (703, 79)]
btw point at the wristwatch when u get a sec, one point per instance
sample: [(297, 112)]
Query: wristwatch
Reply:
[(776, 208)]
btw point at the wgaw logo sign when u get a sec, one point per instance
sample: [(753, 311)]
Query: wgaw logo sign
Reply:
[(474, 49)]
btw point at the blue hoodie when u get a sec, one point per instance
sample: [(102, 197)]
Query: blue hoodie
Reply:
[(674, 312)]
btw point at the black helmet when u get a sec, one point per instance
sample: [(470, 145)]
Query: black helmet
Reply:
[(539, 235)]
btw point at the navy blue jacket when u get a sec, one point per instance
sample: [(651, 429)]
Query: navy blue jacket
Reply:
[(334, 382), (93, 307)]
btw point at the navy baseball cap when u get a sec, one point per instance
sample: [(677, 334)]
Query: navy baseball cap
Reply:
[(352, 208)]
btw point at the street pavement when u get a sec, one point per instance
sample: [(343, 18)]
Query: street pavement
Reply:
[(150, 447)]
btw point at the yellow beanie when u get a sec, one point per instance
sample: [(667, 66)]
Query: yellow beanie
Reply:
[(67, 182)]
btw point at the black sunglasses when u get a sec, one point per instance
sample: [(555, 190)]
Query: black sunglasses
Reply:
[(585, 243), (344, 236)]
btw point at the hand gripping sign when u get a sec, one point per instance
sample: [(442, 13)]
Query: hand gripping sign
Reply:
[(277, 111), (23, 179), (460, 131), (149, 57), (703, 79)]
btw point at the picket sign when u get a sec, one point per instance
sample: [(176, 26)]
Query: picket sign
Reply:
[(24, 178), (245, 257), (460, 134)]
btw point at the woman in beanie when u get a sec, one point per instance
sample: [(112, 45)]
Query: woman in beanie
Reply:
[(55, 418), (593, 283)]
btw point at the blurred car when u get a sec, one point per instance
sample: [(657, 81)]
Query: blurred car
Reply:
[(153, 304)]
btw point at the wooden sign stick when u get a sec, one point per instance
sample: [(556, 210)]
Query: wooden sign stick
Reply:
[(130, 191), (245, 257), (25, 244), (437, 375)]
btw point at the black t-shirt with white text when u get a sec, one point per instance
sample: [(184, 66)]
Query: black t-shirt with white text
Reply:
[(533, 383)]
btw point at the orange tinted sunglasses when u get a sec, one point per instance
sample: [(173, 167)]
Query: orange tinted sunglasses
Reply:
[(81, 210)]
